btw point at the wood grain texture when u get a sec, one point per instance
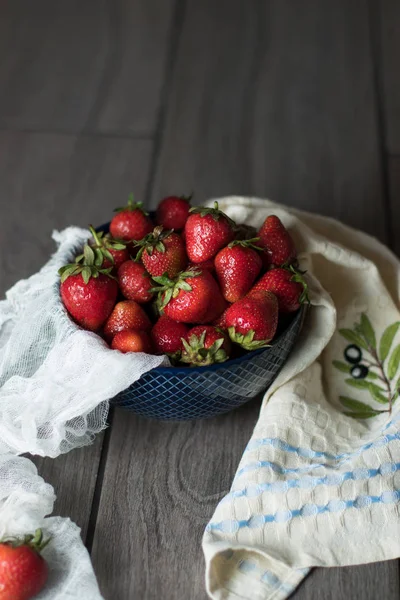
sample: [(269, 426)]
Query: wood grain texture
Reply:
[(394, 189), (369, 582), (73, 477), (50, 181), (276, 99), (161, 485), (388, 20), (70, 65)]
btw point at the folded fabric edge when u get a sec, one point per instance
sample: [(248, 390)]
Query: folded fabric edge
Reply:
[(247, 573)]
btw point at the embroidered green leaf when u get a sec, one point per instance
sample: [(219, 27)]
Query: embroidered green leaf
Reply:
[(358, 410), (396, 391), (341, 366), (354, 338), (378, 394), (354, 405), (394, 362), (372, 375), (360, 384), (366, 415), (387, 340), (368, 330)]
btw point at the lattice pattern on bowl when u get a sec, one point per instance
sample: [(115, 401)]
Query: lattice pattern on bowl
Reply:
[(180, 394)]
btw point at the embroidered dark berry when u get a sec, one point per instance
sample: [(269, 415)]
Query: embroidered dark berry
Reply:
[(353, 354), (359, 372)]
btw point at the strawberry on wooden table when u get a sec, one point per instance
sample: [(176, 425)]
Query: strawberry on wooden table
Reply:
[(112, 252), (131, 222), (131, 340), (134, 282), (277, 241), (207, 230), (205, 345), (162, 253), (288, 285), (23, 571), (126, 314), (88, 291), (253, 320), (237, 266), (167, 336), (173, 211), (188, 297)]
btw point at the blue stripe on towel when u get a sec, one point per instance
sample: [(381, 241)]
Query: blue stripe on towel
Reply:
[(307, 510), (254, 490), (308, 453)]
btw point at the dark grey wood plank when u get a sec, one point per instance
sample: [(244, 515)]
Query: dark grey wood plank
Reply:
[(50, 181), (269, 98), (388, 12), (95, 65), (277, 100), (365, 581), (47, 182), (73, 477), (161, 485), (394, 189)]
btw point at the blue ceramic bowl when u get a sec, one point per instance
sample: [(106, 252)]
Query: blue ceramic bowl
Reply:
[(185, 393)]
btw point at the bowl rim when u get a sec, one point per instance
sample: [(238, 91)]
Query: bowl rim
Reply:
[(299, 314)]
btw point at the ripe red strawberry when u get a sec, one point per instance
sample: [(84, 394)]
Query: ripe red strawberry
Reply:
[(187, 298), (173, 211), (163, 253), (23, 571), (252, 321), (207, 230), (88, 292), (135, 282), (207, 265), (216, 307), (131, 222), (131, 340), (277, 241), (167, 335), (108, 252), (220, 322), (205, 346), (237, 266), (288, 286), (127, 314)]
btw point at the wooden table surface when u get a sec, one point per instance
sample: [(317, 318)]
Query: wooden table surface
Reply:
[(296, 101)]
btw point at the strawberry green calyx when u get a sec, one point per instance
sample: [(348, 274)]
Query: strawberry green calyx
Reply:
[(172, 287), (197, 355), (101, 247), (187, 198), (214, 212), (131, 205), (251, 243), (89, 265), (298, 278), (153, 241), (35, 542), (247, 341)]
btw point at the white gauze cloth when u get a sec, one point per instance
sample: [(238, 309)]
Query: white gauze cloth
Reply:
[(316, 487), (25, 499), (55, 378), (55, 383)]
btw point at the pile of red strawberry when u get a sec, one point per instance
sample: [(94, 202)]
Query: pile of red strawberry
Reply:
[(194, 286)]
